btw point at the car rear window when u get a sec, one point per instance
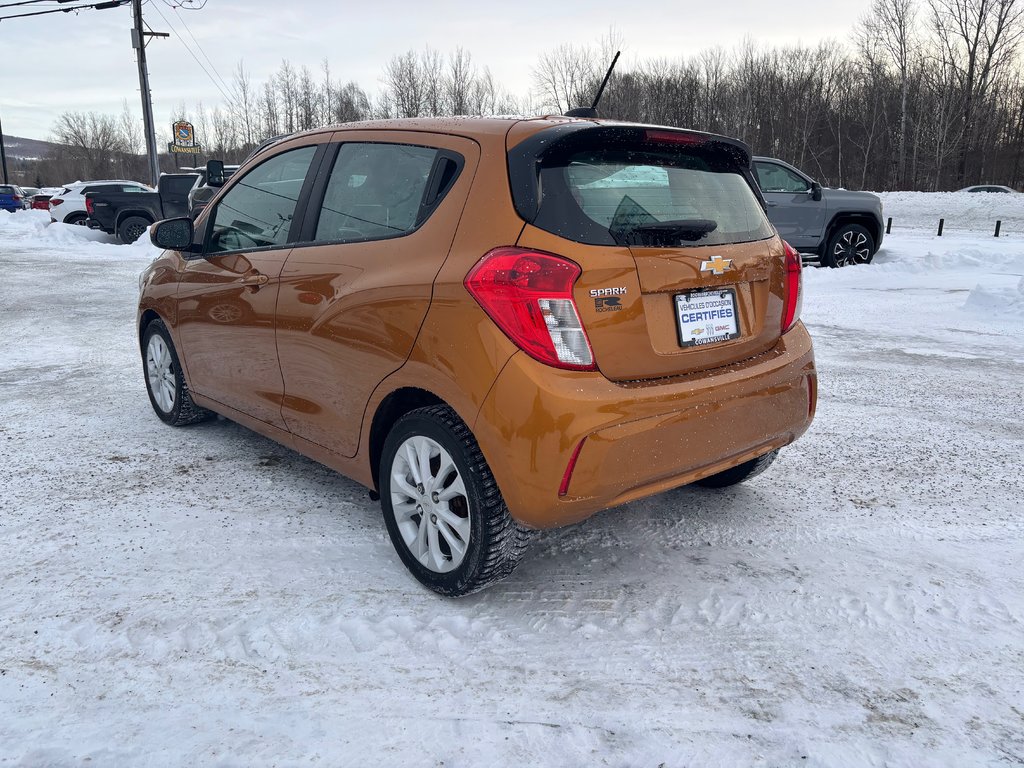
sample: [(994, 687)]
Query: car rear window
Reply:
[(5, 190), (623, 188)]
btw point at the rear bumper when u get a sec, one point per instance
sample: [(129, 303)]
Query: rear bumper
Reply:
[(637, 439)]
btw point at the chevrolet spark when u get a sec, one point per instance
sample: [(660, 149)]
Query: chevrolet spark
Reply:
[(496, 325)]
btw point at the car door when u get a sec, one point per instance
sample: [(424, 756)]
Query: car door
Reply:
[(797, 216), (227, 297), (354, 295)]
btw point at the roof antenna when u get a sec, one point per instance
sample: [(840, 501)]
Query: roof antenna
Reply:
[(591, 111)]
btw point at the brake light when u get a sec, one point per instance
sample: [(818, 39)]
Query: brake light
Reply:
[(17, 198), (675, 137), (794, 288), (528, 294), (55, 201), (88, 206)]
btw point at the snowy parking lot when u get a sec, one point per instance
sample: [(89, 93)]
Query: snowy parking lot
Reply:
[(203, 596)]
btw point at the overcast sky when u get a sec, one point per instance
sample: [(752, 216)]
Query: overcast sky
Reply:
[(84, 61)]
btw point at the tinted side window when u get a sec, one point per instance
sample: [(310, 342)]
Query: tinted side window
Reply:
[(257, 211), (374, 191), (775, 178)]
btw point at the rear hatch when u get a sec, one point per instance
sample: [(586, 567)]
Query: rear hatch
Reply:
[(681, 270)]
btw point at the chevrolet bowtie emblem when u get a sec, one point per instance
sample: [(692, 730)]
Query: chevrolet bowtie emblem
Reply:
[(717, 265)]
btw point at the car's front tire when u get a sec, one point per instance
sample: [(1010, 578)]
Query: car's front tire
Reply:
[(740, 473), (850, 244), (165, 383), (442, 507)]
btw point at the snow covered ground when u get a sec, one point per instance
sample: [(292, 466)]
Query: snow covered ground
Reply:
[(206, 597)]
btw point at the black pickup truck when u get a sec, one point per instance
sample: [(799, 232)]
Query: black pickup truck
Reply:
[(128, 215)]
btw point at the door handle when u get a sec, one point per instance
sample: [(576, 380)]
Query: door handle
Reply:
[(770, 204), (255, 278)]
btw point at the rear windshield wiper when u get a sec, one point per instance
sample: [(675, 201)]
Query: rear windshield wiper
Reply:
[(665, 233)]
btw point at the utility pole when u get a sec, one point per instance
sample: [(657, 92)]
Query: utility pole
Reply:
[(139, 36), (3, 152)]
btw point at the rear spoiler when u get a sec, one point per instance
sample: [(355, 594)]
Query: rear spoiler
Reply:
[(524, 159)]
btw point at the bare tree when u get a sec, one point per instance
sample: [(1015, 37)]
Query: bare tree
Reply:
[(979, 38), (567, 77)]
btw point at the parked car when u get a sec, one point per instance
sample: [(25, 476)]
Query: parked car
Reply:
[(41, 200), (129, 214), (203, 192), (27, 194), (68, 205), (840, 226), (989, 188), (11, 198), (399, 301)]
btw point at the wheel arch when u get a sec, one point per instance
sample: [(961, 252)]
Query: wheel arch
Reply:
[(393, 407), (147, 317), (142, 214), (866, 220)]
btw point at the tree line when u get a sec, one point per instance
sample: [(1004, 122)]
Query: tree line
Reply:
[(929, 95)]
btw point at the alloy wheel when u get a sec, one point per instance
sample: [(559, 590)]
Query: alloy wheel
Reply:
[(160, 372), (430, 504), (852, 248)]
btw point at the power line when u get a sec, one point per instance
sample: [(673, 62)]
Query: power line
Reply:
[(96, 6), (33, 2), (200, 47), (190, 53)]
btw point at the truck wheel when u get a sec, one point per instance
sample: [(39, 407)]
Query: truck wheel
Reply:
[(744, 471), (442, 506), (132, 228), (849, 244)]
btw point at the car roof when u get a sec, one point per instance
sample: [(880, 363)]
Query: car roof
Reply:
[(483, 126), (75, 184)]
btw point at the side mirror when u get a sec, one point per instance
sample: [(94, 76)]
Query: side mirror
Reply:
[(215, 173), (815, 191), (173, 234)]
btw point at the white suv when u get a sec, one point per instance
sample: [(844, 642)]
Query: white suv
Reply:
[(68, 205)]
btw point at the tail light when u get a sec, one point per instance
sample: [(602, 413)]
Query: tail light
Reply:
[(676, 137), (17, 198), (794, 288), (528, 294), (55, 201), (88, 206)]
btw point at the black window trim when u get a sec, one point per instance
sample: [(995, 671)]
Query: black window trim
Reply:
[(307, 234), (301, 205), (785, 167)]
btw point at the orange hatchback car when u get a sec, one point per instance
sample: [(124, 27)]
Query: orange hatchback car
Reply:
[(497, 325)]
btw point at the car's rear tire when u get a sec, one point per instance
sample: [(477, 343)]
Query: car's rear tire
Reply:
[(76, 219), (850, 244), (132, 228), (740, 473), (442, 507), (168, 391)]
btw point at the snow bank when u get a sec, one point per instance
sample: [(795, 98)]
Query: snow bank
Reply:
[(1002, 301), (963, 211), (64, 241)]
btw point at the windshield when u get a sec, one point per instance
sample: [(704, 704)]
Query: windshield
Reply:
[(659, 197)]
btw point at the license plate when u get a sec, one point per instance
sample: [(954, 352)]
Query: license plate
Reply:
[(707, 317)]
